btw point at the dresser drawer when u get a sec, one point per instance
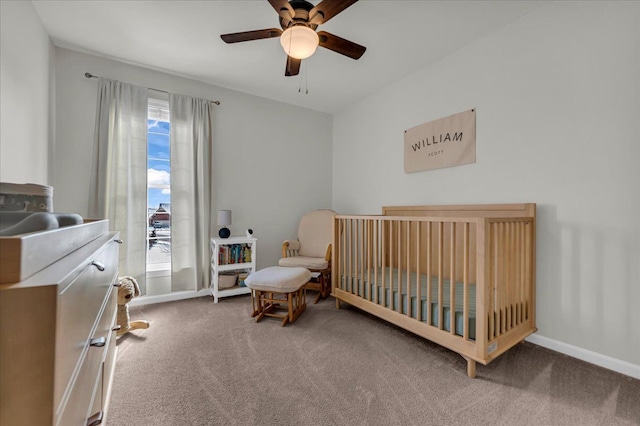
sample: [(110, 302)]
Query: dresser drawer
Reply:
[(109, 362), (79, 309), (87, 386), (100, 399)]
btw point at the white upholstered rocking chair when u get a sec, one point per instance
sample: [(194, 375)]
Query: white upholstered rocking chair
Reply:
[(312, 250)]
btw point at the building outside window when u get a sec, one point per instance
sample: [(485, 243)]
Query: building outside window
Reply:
[(158, 186)]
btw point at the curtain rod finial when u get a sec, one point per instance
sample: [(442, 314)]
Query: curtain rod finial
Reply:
[(88, 75)]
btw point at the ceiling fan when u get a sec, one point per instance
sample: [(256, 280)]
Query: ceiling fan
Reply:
[(299, 20)]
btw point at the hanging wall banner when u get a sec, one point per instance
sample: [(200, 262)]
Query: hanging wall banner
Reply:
[(446, 142)]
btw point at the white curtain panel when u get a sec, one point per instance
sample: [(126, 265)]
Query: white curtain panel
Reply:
[(191, 186), (119, 171)]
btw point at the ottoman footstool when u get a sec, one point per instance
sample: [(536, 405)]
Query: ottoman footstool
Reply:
[(276, 285)]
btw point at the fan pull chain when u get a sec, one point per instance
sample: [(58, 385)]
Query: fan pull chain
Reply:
[(303, 69)]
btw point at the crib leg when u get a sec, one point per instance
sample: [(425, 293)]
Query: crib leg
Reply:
[(337, 304), (471, 367)]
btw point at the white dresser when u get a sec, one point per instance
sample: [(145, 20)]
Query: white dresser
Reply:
[(57, 339)]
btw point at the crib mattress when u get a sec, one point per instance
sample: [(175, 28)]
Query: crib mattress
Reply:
[(400, 299)]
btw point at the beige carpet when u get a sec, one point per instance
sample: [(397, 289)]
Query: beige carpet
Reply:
[(202, 363)]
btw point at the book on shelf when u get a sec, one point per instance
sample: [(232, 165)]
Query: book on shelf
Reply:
[(234, 253)]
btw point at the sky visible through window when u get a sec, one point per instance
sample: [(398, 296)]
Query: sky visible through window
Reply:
[(158, 165)]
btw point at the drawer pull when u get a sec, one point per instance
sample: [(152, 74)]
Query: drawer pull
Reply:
[(116, 328), (118, 241), (98, 342), (98, 265), (95, 420)]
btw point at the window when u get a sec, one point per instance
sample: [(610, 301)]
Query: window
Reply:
[(158, 186)]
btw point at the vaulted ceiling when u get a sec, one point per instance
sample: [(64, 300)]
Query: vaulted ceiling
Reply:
[(183, 37)]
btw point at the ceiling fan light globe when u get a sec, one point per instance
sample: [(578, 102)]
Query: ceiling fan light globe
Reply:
[(299, 42)]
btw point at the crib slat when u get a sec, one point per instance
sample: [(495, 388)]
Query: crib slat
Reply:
[(356, 258), (429, 256), (520, 283), (343, 252), (513, 284), (337, 275), (361, 282), (493, 255), (351, 258), (502, 277), (527, 284), (391, 261), (440, 278), (370, 257), (368, 250), (484, 283), (525, 270), (452, 280), (408, 273), (465, 282), (418, 275), (497, 287), (518, 279), (384, 262), (510, 270), (510, 275), (365, 258), (399, 268), (360, 258)]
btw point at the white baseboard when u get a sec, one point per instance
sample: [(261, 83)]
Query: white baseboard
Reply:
[(622, 367), (170, 297)]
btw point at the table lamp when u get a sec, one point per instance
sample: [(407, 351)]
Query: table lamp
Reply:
[(224, 220)]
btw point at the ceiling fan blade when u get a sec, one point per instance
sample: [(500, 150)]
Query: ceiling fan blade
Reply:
[(340, 45), (283, 8), (251, 35), (293, 66), (327, 9)]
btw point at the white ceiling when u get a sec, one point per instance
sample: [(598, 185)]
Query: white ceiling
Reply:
[(183, 37)]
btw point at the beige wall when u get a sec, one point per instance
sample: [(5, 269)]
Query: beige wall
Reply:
[(272, 161), (26, 126), (557, 97)]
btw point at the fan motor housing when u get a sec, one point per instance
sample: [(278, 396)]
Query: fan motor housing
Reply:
[(301, 8)]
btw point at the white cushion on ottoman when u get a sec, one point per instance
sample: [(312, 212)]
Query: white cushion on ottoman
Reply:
[(278, 279)]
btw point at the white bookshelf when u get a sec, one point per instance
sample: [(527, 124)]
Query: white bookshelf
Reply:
[(230, 263)]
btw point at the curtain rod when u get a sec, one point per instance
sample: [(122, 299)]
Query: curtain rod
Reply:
[(89, 75)]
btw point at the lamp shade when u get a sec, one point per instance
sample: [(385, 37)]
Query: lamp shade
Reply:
[(224, 217), (299, 41), (224, 220)]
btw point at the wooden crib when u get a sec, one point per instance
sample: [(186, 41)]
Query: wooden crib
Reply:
[(461, 276)]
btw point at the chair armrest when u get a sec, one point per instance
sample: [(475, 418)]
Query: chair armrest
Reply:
[(290, 245), (327, 256)]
